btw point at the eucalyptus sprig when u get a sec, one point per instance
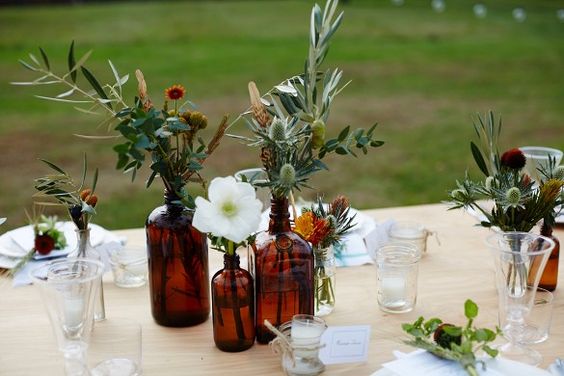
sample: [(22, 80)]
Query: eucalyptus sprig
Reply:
[(60, 189), (458, 343), (289, 122)]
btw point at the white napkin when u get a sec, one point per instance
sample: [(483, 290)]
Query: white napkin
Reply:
[(16, 243), (422, 363)]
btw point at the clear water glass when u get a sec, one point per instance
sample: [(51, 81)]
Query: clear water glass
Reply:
[(397, 269), (129, 267), (410, 232)]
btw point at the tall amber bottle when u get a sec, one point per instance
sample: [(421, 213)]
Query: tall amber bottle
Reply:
[(283, 272), (178, 266), (233, 306), (549, 277)]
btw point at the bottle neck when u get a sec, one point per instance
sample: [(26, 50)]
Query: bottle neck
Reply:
[(279, 215), (546, 230), (82, 241), (230, 261)]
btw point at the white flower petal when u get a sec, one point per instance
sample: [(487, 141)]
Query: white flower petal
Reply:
[(201, 221), (222, 188), (246, 190)]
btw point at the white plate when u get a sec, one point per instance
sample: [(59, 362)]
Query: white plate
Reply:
[(16, 243)]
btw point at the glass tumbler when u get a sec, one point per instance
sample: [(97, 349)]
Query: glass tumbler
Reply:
[(397, 268), (410, 232)]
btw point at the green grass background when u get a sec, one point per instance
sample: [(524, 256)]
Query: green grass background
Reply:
[(421, 75)]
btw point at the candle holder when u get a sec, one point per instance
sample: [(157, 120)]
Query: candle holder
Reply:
[(298, 343), (411, 232), (397, 267)]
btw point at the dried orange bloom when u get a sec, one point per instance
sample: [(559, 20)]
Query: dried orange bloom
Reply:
[(321, 229), (304, 225), (175, 92), (87, 196)]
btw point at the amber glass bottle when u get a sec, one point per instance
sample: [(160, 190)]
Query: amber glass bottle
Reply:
[(233, 307), (178, 266), (283, 272), (549, 276)]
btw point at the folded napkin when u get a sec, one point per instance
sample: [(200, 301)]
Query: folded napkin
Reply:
[(423, 363), (359, 244), (16, 243)]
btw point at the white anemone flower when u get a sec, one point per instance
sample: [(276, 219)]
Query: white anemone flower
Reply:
[(232, 212)]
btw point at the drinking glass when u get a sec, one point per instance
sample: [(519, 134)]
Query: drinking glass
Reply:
[(129, 267), (397, 268), (68, 288), (538, 157), (115, 348), (520, 259)]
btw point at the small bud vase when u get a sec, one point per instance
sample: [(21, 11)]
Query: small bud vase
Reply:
[(324, 280)]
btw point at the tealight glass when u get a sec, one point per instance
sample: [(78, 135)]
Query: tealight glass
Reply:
[(397, 268), (129, 267), (305, 339), (410, 232)]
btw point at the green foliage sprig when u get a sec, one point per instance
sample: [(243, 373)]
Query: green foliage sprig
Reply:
[(60, 189), (518, 204), (289, 122), (458, 343), (168, 137)]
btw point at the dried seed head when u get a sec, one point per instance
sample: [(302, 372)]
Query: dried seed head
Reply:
[(489, 182), (287, 175), (198, 120), (277, 130), (513, 195), (318, 129)]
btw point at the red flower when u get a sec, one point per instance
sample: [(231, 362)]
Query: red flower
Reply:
[(175, 92), (513, 158), (44, 244)]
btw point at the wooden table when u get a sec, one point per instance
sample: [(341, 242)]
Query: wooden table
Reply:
[(460, 268)]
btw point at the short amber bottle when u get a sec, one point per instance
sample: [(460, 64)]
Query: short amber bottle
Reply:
[(549, 278), (233, 307)]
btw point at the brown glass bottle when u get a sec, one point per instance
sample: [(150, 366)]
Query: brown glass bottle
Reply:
[(178, 266), (233, 308), (549, 277), (283, 272)]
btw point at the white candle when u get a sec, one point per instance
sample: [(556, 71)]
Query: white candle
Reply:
[(393, 288), (73, 308), (306, 335)]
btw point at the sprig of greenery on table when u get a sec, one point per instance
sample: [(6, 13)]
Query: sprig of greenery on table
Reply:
[(471, 339)]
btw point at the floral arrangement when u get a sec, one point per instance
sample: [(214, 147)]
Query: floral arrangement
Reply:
[(230, 216), (47, 236), (289, 123), (60, 189), (518, 205), (458, 343), (324, 228), (168, 135)]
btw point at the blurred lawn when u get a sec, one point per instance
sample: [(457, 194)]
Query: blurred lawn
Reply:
[(421, 75)]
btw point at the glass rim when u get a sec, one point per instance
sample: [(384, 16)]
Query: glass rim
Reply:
[(534, 152), (309, 320), (43, 280), (257, 171), (412, 250), (492, 241), (401, 225)]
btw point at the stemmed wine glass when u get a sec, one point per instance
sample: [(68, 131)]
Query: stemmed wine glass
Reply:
[(68, 288), (520, 259)]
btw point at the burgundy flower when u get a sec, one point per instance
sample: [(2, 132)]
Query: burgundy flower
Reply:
[(513, 158), (44, 244)]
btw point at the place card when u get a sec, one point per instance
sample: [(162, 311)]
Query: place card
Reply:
[(345, 344)]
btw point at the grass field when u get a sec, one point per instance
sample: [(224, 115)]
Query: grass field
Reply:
[(419, 74)]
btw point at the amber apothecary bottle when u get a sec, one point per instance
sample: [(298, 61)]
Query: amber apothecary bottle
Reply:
[(283, 272), (233, 308), (549, 277), (178, 266)]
